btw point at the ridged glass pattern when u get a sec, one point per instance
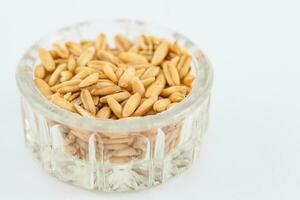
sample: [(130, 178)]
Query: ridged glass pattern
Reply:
[(91, 171)]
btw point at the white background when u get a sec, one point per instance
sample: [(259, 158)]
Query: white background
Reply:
[(252, 148)]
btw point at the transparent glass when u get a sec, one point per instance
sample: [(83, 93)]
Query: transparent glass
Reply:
[(114, 155)]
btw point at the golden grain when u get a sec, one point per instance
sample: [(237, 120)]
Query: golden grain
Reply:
[(140, 72), (96, 100), (119, 72), (107, 56), (71, 63), (168, 74), (175, 60), (142, 42), (74, 96), (39, 71), (184, 65), (43, 87), (156, 87), (161, 105), (47, 77), (126, 77), (60, 61), (168, 91), (144, 107), (87, 101), (109, 72), (53, 54), (65, 76), (122, 43), (175, 48), (188, 80), (81, 75), (61, 50), (137, 86), (87, 69), (131, 105), (86, 56), (82, 111), (110, 89), (74, 48), (104, 113), (67, 96), (136, 66), (46, 60), (152, 71), (114, 106), (101, 42), (132, 58), (134, 48), (174, 73), (62, 103), (86, 44), (103, 83), (56, 74), (176, 97), (185, 68), (98, 65), (66, 83), (89, 80), (121, 96), (69, 88), (160, 53), (148, 81)]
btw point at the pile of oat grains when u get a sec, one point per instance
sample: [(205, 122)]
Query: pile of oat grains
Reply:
[(133, 79)]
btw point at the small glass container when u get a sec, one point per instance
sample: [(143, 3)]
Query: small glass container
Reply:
[(114, 155)]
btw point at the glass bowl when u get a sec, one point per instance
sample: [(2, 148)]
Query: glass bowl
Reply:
[(114, 155)]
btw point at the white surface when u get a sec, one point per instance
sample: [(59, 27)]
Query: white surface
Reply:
[(252, 148)]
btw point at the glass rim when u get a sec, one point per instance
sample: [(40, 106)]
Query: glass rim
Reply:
[(25, 83)]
